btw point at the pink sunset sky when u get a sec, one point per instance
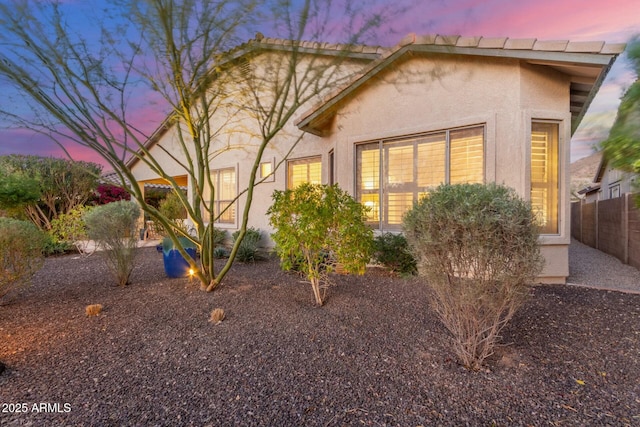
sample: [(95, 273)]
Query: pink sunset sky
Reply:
[(612, 21)]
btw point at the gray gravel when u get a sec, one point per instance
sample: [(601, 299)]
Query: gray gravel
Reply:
[(593, 268), (373, 355)]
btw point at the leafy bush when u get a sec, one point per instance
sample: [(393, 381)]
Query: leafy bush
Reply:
[(21, 253), (220, 252), (69, 230), (113, 227), (321, 225), (109, 193), (219, 237), (477, 246), (392, 251), (173, 210), (54, 246), (249, 246)]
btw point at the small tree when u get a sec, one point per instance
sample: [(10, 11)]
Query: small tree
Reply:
[(622, 147), (477, 247), (62, 185), (320, 225), (113, 226), (21, 253)]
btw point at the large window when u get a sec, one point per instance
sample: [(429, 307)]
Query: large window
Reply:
[(392, 174), (544, 175), (304, 170), (224, 193)]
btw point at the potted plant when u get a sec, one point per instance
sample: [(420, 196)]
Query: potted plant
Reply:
[(175, 265)]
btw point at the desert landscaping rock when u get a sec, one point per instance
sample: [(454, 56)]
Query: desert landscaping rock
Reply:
[(375, 354)]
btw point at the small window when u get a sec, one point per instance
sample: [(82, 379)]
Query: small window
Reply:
[(267, 171), (614, 191), (304, 170)]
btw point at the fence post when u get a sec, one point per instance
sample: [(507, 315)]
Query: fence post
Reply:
[(582, 202), (597, 233), (625, 227)]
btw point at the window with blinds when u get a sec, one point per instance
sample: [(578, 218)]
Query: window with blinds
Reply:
[(224, 193), (467, 156), (368, 180), (304, 170), (392, 174), (544, 175)]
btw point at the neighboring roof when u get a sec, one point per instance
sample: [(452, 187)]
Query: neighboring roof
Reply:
[(587, 63), (111, 177), (590, 189), (601, 168), (265, 44)]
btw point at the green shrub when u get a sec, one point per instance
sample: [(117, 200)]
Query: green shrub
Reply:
[(320, 225), (21, 253), (69, 230), (173, 210), (113, 226), (220, 252), (219, 237), (53, 246), (477, 246), (248, 248), (392, 251)]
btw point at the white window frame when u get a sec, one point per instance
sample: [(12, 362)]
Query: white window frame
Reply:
[(382, 222)]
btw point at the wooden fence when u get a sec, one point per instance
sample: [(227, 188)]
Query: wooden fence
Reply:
[(612, 226)]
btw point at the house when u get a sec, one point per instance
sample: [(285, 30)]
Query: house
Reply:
[(432, 109), (608, 183)]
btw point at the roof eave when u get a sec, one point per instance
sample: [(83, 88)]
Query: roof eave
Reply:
[(602, 56)]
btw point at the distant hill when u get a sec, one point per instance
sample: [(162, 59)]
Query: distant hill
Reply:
[(586, 167), (583, 171)]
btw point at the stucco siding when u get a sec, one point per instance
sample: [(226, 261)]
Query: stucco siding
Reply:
[(424, 96)]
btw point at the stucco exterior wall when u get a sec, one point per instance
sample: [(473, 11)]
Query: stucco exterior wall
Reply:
[(437, 93)]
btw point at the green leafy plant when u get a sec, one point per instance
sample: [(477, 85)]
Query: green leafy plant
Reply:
[(220, 253), (392, 251), (321, 225), (220, 237), (113, 227), (173, 210), (62, 185), (70, 229), (248, 248), (477, 247), (21, 253), (54, 246)]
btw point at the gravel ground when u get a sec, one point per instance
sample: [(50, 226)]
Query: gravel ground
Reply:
[(375, 354), (593, 268)]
